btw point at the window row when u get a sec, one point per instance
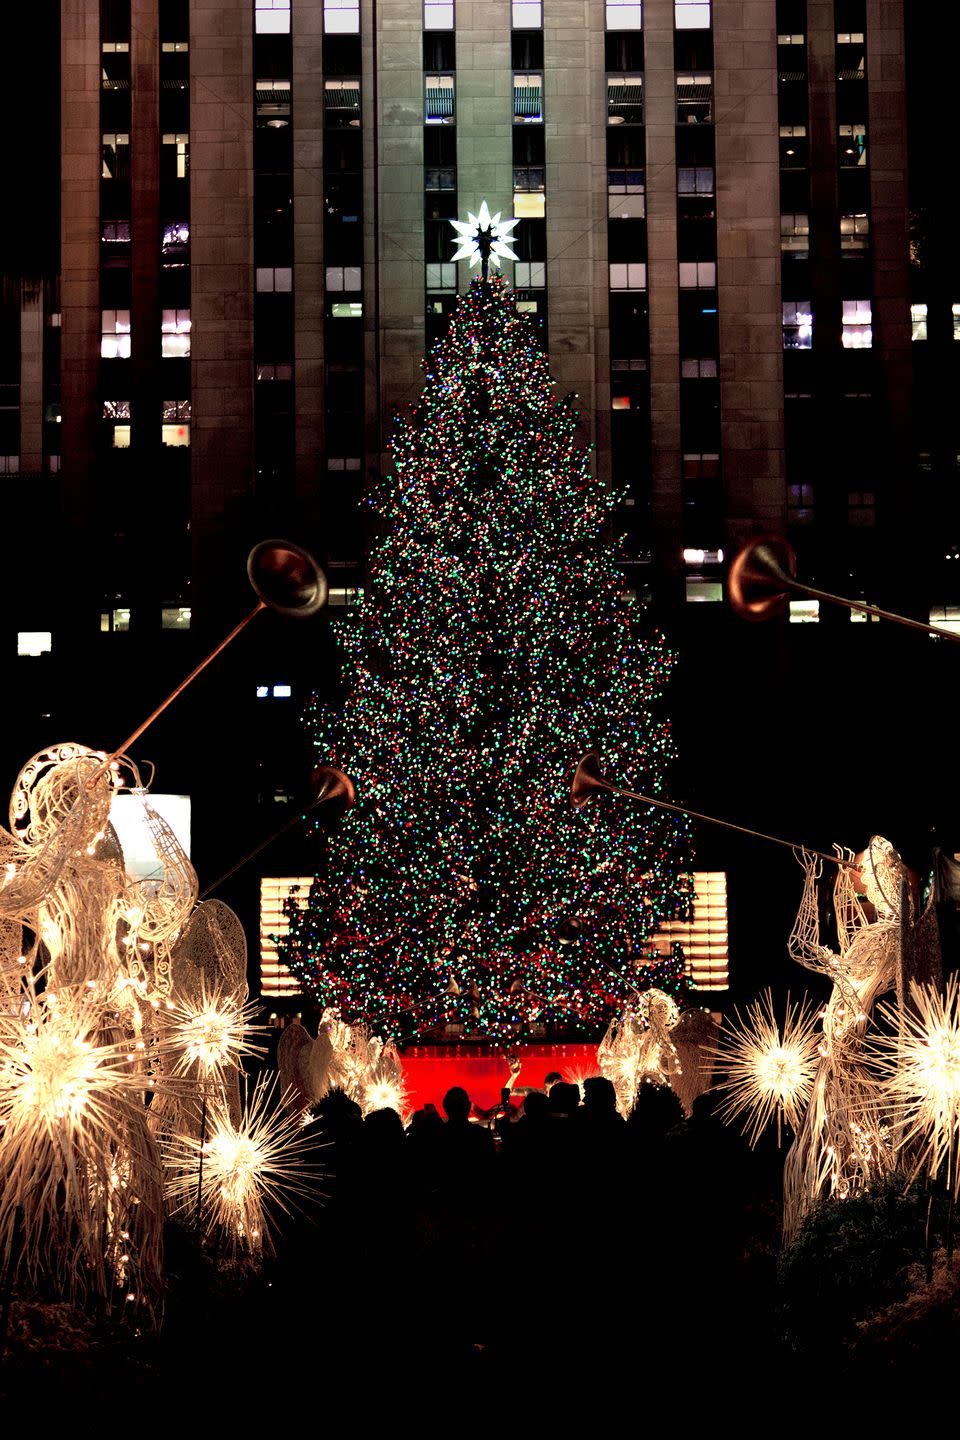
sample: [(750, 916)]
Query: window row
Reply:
[(795, 234), (524, 14), (856, 325), (115, 334), (918, 320), (687, 15)]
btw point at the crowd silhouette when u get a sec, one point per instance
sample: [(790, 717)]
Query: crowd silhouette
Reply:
[(469, 1237)]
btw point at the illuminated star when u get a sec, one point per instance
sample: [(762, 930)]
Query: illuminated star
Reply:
[(484, 238)]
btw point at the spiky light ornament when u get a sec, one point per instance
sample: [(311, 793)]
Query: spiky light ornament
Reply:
[(767, 1070), (250, 1168), (920, 1073), (211, 1032), (77, 1163)]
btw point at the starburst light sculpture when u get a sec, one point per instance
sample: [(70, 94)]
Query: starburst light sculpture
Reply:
[(767, 1071)]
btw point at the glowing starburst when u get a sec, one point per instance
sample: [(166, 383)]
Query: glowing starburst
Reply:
[(484, 236), (385, 1093), (920, 1067), (768, 1071), (212, 1033), (248, 1168), (72, 1118)]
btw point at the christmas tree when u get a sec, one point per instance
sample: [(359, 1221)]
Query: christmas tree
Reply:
[(494, 645)]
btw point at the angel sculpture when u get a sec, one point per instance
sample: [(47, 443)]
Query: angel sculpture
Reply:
[(844, 1142), (638, 1047)]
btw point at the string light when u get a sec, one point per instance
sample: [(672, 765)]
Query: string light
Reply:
[(492, 647)]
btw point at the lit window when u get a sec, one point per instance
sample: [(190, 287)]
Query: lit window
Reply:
[(437, 15), (341, 17), (626, 194), (346, 309), (175, 434), (797, 325), (860, 617), (697, 274), (175, 47), (274, 278), (852, 145), (175, 333), (343, 462), (275, 897), (527, 14), (946, 617), (791, 39), (804, 612), (694, 555), (9, 464), (34, 642), (918, 322), (529, 205), (628, 277), (623, 16), (175, 617), (695, 180), (272, 17), (699, 369), (174, 245), (624, 99), (691, 14), (116, 409), (699, 591), (181, 141), (115, 334), (282, 692), (849, 37), (795, 235), (438, 100), (955, 312), (263, 692), (857, 331), (115, 163), (441, 277), (527, 98), (118, 619), (344, 277), (530, 275), (274, 372), (694, 99), (341, 104), (344, 596), (115, 47), (854, 234), (121, 437), (800, 504)]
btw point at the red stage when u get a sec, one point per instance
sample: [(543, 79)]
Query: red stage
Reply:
[(431, 1070)]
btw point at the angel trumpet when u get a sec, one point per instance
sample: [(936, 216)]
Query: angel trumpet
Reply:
[(588, 779), (285, 578), (762, 577)]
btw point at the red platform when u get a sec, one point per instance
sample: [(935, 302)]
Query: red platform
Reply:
[(431, 1070)]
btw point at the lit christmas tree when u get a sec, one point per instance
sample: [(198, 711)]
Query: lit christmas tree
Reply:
[(493, 646)]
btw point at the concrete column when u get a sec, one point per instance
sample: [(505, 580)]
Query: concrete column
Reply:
[(221, 253), (577, 272), (748, 265), (31, 375), (393, 212)]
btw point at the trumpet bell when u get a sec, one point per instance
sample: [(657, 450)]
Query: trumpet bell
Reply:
[(761, 577), (286, 578), (587, 780), (330, 786)]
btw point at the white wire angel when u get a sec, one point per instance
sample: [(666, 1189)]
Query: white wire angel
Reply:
[(843, 1142)]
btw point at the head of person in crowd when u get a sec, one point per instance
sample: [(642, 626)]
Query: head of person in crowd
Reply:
[(456, 1105)]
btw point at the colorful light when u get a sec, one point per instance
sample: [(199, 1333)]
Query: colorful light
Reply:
[(492, 647)]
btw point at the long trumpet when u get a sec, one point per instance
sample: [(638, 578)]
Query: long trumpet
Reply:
[(285, 578), (587, 780), (763, 575)]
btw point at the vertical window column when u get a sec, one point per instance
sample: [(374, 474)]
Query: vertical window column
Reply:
[(439, 166), (529, 164)]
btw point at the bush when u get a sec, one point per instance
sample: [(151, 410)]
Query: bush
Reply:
[(849, 1259)]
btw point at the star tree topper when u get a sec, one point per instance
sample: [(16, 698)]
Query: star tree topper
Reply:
[(484, 239)]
